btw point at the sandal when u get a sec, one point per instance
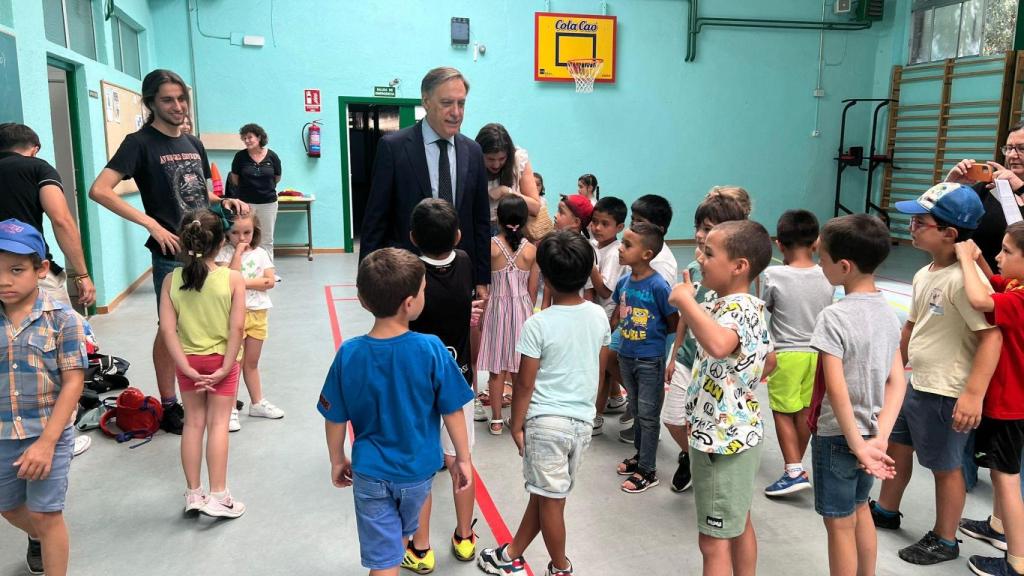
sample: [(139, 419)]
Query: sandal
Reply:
[(496, 427), (640, 482), (631, 466), (506, 397), (484, 398)]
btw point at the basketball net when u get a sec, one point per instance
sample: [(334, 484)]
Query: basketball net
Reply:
[(584, 71)]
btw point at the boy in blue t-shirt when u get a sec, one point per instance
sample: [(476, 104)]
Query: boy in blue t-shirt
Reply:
[(645, 319), (394, 386)]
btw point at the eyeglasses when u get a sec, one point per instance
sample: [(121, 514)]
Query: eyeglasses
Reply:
[(1019, 149), (916, 222)]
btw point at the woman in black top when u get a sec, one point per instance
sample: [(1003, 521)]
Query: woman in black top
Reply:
[(989, 234), (254, 175)]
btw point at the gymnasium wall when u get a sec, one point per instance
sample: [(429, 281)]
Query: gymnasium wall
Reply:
[(742, 113)]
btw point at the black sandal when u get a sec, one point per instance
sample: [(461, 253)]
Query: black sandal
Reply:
[(632, 465), (640, 482)]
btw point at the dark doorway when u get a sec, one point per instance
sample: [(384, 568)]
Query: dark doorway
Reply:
[(367, 123)]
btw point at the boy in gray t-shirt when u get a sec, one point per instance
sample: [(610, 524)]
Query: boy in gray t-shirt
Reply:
[(859, 386)]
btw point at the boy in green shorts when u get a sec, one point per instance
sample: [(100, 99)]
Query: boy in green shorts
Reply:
[(795, 294)]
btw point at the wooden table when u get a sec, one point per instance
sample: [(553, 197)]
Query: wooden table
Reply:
[(296, 204)]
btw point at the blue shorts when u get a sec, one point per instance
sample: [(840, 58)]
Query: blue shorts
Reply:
[(387, 514), (926, 424), (162, 266), (38, 495), (839, 483)]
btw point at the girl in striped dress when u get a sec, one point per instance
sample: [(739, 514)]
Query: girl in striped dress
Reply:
[(513, 292)]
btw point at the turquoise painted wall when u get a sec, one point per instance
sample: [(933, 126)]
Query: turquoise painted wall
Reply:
[(743, 113)]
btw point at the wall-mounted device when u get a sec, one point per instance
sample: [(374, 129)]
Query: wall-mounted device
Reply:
[(460, 31), (843, 6)]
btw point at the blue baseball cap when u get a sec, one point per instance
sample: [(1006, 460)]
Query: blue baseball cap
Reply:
[(18, 237), (952, 203)]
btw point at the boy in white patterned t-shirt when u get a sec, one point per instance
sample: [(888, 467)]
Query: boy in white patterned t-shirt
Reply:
[(721, 407)]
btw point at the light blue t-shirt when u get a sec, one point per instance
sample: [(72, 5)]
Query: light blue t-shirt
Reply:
[(394, 392), (643, 315), (568, 341)]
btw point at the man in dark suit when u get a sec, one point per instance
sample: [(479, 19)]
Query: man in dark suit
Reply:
[(431, 160)]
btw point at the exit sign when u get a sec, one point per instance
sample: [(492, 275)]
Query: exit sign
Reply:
[(384, 91)]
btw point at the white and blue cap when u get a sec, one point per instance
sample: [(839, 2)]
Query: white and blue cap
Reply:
[(18, 237), (952, 203)]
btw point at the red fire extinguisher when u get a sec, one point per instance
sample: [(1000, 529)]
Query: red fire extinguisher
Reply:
[(311, 138)]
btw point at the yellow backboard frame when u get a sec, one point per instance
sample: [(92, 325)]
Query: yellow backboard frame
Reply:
[(559, 37)]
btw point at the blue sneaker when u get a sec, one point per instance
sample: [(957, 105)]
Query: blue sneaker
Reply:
[(788, 485), (989, 566), (982, 530)]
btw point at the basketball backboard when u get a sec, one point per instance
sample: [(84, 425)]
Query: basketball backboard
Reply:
[(559, 38)]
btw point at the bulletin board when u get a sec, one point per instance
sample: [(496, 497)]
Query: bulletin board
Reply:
[(123, 114)]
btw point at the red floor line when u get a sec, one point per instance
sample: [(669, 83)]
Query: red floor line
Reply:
[(483, 497)]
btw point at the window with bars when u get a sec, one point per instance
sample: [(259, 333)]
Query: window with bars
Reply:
[(943, 29), (126, 47), (69, 23)]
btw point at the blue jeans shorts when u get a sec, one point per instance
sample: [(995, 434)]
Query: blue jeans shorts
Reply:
[(387, 514), (38, 495), (839, 483), (926, 423), (162, 266), (553, 448)]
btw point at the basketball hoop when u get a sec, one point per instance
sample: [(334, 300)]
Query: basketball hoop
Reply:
[(584, 71)]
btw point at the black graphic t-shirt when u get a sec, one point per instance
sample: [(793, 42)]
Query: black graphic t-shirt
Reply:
[(21, 180), (256, 180), (171, 174), (449, 303)]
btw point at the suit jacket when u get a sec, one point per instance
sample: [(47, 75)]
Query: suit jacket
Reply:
[(401, 180)]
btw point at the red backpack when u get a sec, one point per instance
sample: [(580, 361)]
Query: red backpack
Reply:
[(134, 413)]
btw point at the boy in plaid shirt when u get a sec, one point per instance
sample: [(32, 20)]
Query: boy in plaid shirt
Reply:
[(43, 361)]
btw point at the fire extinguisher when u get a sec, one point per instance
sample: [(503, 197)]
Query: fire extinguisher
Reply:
[(311, 138)]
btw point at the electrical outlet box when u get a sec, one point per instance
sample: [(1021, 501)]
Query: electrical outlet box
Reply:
[(819, 92), (815, 133), (842, 6), (251, 40)]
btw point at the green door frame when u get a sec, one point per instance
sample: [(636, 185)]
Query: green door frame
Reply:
[(406, 118), (77, 143)]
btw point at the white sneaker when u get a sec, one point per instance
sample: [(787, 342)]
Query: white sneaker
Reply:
[(598, 425), (82, 444), (233, 424), (195, 499), (265, 409), (479, 414), (224, 507)]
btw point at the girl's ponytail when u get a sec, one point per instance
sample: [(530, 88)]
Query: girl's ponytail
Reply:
[(202, 235), (512, 214)]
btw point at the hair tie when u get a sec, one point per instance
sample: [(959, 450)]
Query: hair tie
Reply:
[(197, 222), (512, 227), (195, 254)]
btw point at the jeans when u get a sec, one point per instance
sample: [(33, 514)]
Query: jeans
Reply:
[(644, 379), (387, 514), (162, 266)]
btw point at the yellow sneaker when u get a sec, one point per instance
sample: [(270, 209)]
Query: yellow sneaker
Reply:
[(464, 549), (412, 561)]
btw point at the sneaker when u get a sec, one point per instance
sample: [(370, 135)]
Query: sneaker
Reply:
[(174, 418), (464, 549), (786, 484), (598, 425), (226, 507), (265, 409), (492, 561), (682, 480), (233, 424), (195, 499), (615, 405), (479, 414), (552, 571), (626, 419), (982, 530), (884, 520), (626, 435), (34, 557), (82, 444), (929, 550), (416, 563), (989, 566)]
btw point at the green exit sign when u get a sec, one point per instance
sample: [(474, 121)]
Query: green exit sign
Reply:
[(384, 91)]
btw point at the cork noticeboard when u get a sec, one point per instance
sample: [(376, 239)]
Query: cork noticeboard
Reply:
[(123, 113)]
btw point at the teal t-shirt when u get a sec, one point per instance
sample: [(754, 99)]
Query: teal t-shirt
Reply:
[(568, 341), (688, 351)]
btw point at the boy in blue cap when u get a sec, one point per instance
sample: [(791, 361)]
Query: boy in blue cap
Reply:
[(42, 353), (953, 351)]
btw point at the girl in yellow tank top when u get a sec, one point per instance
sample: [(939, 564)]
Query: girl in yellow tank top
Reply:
[(202, 312)]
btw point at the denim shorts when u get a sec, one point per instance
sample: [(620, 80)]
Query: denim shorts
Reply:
[(839, 483), (38, 495), (552, 453), (162, 266), (387, 514), (926, 423)]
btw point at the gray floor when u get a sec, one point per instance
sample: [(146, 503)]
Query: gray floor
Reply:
[(124, 505)]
